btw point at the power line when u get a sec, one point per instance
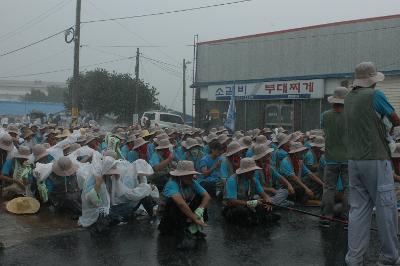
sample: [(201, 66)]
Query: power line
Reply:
[(68, 69), (166, 12), (37, 61), (32, 22), (124, 46), (130, 31), (32, 44), (160, 61)]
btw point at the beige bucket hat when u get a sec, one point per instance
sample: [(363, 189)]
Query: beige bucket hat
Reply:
[(282, 139), (246, 141), (210, 137), (113, 171), (233, 147), (39, 151), (64, 134), (338, 95), (23, 153), (163, 144), (131, 138), (223, 138), (6, 142), (247, 165), (64, 167), (260, 151), (12, 128), (366, 75), (267, 130), (139, 142), (73, 147), (184, 168), (296, 147), (160, 137), (23, 205), (28, 133), (190, 143), (318, 141)]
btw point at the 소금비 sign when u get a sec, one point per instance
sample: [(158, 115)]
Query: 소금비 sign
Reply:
[(295, 89)]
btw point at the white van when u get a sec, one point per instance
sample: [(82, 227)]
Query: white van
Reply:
[(162, 119)]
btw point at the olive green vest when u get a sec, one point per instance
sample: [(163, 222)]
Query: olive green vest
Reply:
[(334, 128), (365, 133)]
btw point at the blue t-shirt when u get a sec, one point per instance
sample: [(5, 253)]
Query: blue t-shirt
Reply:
[(172, 188), (7, 168), (249, 153), (132, 156), (309, 158), (155, 159), (381, 104), (231, 187), (208, 162), (224, 171), (150, 149), (286, 168), (124, 152), (179, 153), (206, 149)]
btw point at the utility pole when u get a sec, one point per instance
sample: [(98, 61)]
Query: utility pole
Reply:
[(75, 87), (137, 83), (184, 92)]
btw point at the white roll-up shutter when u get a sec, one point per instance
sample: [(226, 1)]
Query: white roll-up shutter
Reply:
[(391, 87)]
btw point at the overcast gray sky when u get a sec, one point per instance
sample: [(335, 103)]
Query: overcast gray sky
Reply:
[(173, 33)]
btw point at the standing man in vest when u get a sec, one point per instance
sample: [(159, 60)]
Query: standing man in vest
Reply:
[(370, 169), (333, 124)]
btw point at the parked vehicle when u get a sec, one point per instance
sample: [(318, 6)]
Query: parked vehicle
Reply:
[(162, 119)]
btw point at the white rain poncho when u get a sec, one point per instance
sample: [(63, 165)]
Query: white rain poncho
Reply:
[(126, 188), (95, 203), (57, 150)]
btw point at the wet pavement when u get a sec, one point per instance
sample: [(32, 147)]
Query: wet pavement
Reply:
[(295, 240)]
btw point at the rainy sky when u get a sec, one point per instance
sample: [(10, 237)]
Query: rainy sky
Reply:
[(165, 39)]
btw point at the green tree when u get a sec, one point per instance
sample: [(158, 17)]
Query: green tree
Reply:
[(101, 92)]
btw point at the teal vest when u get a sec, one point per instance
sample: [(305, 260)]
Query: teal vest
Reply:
[(365, 132), (334, 128)]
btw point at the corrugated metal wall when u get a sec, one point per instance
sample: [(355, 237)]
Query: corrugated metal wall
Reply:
[(318, 51)]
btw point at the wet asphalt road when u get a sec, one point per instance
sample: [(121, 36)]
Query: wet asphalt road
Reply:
[(295, 240)]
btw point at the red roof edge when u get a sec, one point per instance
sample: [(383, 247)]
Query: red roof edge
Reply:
[(302, 28)]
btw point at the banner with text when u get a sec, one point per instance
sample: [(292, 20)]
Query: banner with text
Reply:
[(295, 89)]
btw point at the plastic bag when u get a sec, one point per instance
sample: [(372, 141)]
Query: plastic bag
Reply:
[(42, 171)]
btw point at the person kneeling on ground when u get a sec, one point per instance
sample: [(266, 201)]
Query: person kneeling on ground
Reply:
[(186, 201), (242, 206), (62, 187), (107, 201)]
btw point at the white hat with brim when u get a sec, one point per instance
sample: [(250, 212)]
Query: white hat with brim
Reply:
[(284, 141), (184, 168), (233, 148), (318, 145), (296, 147), (263, 154), (333, 99), (23, 153), (6, 143), (113, 171), (190, 143), (396, 153), (23, 205), (164, 144), (366, 75), (247, 165), (64, 167), (139, 142)]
